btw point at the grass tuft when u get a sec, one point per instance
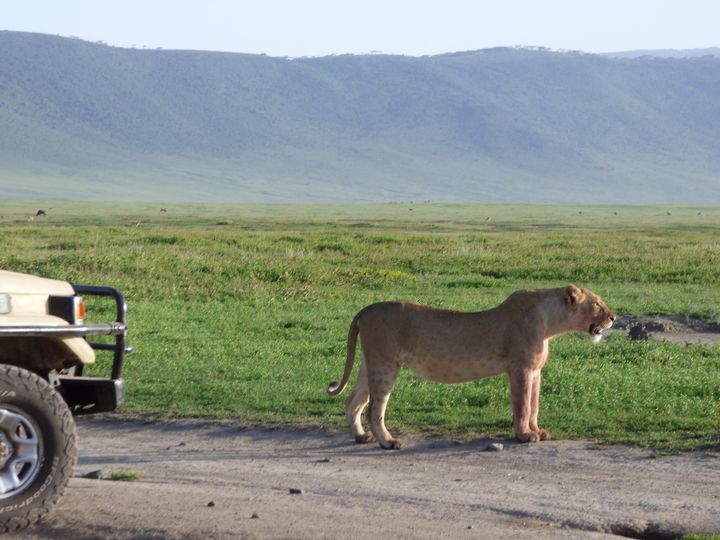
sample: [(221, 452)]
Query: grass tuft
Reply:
[(125, 476)]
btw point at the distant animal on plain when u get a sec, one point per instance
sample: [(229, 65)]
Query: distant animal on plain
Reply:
[(40, 213)]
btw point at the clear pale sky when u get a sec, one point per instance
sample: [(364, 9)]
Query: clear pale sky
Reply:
[(322, 27)]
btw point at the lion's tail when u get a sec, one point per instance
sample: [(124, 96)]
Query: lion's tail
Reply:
[(336, 387)]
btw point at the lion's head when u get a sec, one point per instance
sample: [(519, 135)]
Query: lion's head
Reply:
[(591, 314)]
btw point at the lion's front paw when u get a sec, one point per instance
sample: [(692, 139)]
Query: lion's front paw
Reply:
[(544, 434), (528, 436), (365, 438), (391, 444)]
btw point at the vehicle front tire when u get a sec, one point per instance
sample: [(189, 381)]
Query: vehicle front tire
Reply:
[(37, 447)]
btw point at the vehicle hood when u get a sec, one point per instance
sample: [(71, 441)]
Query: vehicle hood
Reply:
[(17, 283)]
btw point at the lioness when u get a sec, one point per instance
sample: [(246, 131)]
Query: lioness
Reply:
[(454, 347)]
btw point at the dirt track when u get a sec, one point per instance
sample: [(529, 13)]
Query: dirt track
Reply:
[(203, 480)]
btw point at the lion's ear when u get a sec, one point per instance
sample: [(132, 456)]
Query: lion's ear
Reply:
[(573, 294)]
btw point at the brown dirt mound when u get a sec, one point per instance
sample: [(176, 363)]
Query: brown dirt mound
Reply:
[(675, 328)]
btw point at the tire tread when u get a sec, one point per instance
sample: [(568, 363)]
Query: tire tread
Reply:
[(15, 377)]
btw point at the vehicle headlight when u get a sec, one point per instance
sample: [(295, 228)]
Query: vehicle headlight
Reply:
[(5, 304)]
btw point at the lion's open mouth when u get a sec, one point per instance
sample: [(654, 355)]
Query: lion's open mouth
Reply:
[(595, 332)]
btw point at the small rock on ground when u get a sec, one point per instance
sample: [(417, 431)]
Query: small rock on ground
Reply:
[(494, 447)]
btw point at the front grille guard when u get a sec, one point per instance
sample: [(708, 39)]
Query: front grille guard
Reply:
[(117, 328)]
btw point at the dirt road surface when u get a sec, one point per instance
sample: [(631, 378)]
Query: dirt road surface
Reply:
[(221, 481)]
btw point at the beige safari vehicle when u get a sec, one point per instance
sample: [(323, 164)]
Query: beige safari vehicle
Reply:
[(43, 350)]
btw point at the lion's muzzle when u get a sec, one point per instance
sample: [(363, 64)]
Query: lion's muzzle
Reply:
[(596, 329)]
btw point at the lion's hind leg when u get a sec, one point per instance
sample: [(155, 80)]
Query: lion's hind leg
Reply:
[(381, 384), (355, 404)]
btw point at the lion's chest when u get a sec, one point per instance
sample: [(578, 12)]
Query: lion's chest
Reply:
[(540, 358)]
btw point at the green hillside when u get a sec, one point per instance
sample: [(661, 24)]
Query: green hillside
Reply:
[(82, 120)]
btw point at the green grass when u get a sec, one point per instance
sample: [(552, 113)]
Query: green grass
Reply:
[(125, 476), (248, 320)]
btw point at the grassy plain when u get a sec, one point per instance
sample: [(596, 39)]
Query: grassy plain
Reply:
[(241, 312)]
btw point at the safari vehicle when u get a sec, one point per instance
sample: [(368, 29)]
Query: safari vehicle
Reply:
[(43, 350)]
